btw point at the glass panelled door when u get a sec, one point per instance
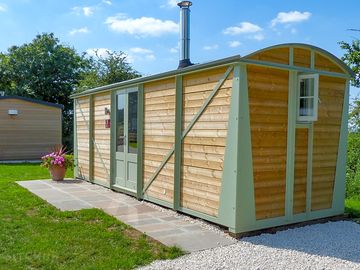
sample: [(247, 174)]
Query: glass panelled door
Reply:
[(126, 139)]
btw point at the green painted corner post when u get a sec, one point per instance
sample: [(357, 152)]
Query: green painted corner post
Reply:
[(178, 140), (91, 138), (113, 108), (290, 156), (237, 202), (340, 175), (140, 138), (75, 147)]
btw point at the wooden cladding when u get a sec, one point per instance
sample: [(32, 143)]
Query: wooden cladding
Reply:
[(204, 146), (32, 133), (276, 55), (302, 57), (326, 141), (300, 170), (268, 100), (101, 139), (82, 106), (159, 138)]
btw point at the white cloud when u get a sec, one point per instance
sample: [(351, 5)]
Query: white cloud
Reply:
[(82, 30), (173, 50), (172, 3), (290, 17), (101, 52), (140, 50), (234, 43), (211, 47), (107, 2), (140, 54), (86, 11), (3, 7), (144, 26), (242, 28), (257, 37)]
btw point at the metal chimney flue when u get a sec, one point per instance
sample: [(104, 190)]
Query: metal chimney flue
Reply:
[(184, 34)]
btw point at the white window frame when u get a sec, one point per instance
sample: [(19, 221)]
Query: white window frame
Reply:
[(314, 117)]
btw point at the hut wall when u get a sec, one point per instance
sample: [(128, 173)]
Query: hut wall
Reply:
[(301, 171), (32, 133), (159, 137), (82, 106), (268, 101), (326, 141), (204, 146), (101, 139)]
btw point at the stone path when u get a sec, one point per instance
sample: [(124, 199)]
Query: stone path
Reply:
[(73, 195)]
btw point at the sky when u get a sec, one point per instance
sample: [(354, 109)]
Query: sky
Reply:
[(147, 31)]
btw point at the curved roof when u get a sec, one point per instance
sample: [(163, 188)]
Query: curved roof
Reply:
[(325, 53), (37, 101), (212, 64)]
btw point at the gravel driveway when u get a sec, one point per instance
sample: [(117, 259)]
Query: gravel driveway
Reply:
[(333, 245)]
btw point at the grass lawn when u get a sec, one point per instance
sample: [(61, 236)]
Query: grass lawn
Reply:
[(352, 207), (35, 235)]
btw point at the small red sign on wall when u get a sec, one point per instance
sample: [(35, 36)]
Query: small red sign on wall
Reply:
[(107, 123)]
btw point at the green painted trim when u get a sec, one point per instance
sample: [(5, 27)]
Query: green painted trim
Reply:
[(113, 139), (124, 190), (303, 125), (140, 141), (312, 59), (246, 214), (290, 152), (91, 138), (162, 164), (309, 168), (340, 175), (280, 221), (207, 101), (291, 56), (295, 68), (230, 178), (76, 162), (161, 76), (157, 201), (178, 141), (237, 200), (200, 215)]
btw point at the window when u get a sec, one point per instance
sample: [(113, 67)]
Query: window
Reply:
[(308, 95)]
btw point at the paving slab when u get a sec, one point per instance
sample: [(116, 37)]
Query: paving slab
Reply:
[(72, 195)]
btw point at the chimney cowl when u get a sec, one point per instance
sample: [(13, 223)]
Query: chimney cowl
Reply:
[(184, 34)]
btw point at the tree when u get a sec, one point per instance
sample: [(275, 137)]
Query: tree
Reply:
[(43, 69), (108, 68), (352, 58)]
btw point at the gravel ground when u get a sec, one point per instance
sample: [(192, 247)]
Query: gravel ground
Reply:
[(333, 245)]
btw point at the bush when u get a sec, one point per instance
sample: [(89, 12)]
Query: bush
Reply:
[(353, 165)]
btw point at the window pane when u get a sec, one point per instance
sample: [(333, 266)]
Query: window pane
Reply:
[(132, 122), (120, 136), (307, 87), (306, 106)]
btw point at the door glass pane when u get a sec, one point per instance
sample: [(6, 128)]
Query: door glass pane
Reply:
[(132, 122), (120, 132)]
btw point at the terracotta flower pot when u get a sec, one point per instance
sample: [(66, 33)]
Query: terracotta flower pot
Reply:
[(57, 173)]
